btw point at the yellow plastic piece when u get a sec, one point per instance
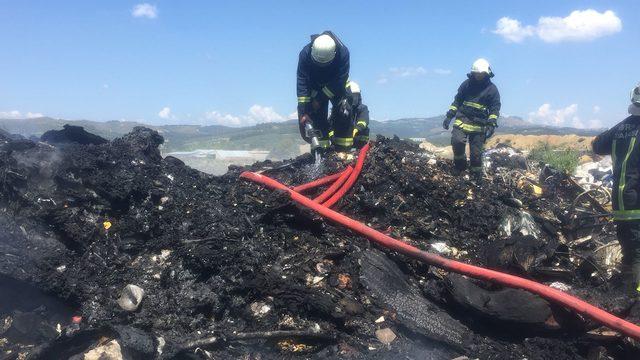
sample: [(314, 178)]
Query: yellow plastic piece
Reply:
[(106, 225)]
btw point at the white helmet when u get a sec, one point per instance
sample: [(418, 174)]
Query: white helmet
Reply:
[(481, 66), (635, 95), (355, 88), (323, 49)]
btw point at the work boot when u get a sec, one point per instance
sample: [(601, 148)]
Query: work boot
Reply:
[(477, 175), (457, 172)]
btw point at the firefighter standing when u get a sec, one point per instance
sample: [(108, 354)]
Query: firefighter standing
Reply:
[(323, 71), (351, 128), (476, 108), (622, 143)]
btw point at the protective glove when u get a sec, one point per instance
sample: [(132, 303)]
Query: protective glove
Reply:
[(303, 110), (304, 119), (355, 132), (488, 132), (446, 122), (451, 114)]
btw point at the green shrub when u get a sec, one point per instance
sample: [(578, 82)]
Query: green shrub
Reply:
[(561, 159)]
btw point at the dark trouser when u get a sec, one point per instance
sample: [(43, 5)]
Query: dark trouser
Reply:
[(459, 140), (320, 117), (343, 131), (361, 139), (629, 239)]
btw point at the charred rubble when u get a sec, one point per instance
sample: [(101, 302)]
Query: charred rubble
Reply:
[(105, 246)]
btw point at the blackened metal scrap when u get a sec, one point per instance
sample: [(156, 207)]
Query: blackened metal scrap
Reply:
[(390, 286), (275, 334)]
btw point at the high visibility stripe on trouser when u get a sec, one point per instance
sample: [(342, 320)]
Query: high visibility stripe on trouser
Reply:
[(328, 92), (346, 142), (468, 128), (324, 143), (623, 215), (304, 99), (623, 175), (453, 107)]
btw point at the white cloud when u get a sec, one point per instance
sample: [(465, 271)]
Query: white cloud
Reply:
[(567, 116), (407, 71), (264, 114), (165, 113), (223, 119), (512, 30), (256, 114), (31, 115), (15, 114), (293, 115), (145, 10), (580, 25), (546, 115), (442, 71), (596, 109)]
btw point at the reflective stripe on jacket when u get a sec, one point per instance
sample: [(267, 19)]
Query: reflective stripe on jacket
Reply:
[(622, 143)]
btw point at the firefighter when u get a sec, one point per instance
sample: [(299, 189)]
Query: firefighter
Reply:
[(476, 108), (622, 142), (323, 71), (351, 128)]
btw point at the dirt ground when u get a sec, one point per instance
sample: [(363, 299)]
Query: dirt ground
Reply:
[(528, 142)]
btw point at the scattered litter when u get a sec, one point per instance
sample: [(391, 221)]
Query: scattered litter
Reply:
[(108, 351), (344, 281), (522, 222), (380, 320), (260, 309), (106, 225), (386, 336), (560, 286)]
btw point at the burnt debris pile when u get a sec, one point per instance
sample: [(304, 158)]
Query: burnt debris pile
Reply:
[(107, 249)]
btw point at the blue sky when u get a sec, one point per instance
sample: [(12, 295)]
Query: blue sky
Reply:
[(233, 62)]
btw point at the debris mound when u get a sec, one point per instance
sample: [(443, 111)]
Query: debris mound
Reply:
[(72, 134), (125, 252)]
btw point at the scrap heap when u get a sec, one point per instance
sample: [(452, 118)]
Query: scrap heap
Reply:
[(107, 248)]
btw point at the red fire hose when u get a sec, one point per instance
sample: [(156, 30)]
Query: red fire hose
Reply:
[(546, 292), (352, 178), (319, 182), (335, 186)]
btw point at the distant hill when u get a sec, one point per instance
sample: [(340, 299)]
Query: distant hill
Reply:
[(281, 139)]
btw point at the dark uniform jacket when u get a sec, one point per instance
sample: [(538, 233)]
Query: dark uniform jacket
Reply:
[(476, 104), (622, 143), (329, 79)]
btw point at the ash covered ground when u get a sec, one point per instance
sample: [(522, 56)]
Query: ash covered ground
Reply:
[(232, 270)]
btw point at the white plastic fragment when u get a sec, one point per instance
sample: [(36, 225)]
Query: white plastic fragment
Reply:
[(108, 351), (260, 309), (442, 248), (386, 336), (560, 286), (380, 320), (131, 297)]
